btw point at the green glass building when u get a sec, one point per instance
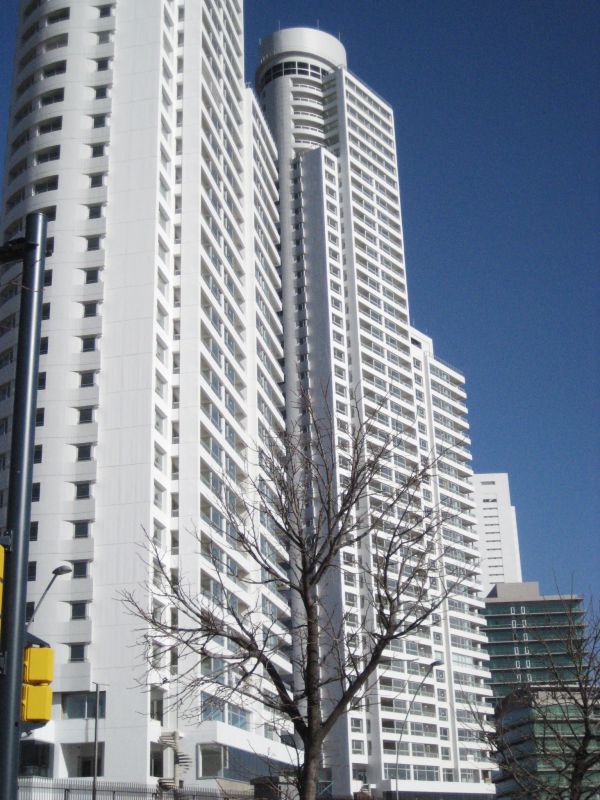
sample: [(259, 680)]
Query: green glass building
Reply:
[(528, 636)]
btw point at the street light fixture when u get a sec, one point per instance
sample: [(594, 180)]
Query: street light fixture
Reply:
[(62, 570), (433, 664)]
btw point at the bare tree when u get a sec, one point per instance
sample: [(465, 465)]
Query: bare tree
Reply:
[(547, 737), (315, 517)]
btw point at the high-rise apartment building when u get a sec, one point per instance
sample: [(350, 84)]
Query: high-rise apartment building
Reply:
[(497, 529), (348, 342), (132, 129), (213, 254)]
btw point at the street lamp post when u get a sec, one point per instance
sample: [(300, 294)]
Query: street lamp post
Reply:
[(62, 570), (410, 705), (15, 539)]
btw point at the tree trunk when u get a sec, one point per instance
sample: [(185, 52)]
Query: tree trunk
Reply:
[(576, 787), (310, 773), (579, 770)]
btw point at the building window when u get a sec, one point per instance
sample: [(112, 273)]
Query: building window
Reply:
[(400, 772), (93, 243), (426, 773), (84, 452), (37, 454), (31, 570), (102, 64), (82, 705), (47, 185), (29, 609), (58, 68), (48, 277), (90, 309), (157, 706), (92, 275), (98, 150), (39, 417), (80, 569), (95, 211), (79, 610), (43, 345), (88, 344), (83, 490), (50, 125), (81, 529), (238, 716), (99, 120), (86, 378), (41, 384), (76, 652), (45, 310), (101, 93), (86, 414), (35, 492), (33, 531), (56, 96), (96, 180)]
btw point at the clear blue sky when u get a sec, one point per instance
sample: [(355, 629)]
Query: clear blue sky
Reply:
[(498, 128)]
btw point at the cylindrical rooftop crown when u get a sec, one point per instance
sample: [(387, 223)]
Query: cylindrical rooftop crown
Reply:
[(292, 43)]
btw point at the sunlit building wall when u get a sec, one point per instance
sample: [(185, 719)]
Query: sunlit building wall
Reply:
[(132, 129), (348, 342)]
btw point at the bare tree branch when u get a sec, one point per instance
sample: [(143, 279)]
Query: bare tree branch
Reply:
[(313, 515)]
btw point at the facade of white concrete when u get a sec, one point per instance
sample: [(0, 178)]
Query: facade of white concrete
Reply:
[(497, 530), (132, 128), (348, 342), (214, 253)]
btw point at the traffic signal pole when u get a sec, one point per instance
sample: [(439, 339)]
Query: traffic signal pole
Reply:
[(16, 536)]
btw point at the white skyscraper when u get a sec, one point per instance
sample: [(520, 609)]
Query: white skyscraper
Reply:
[(497, 530), (347, 340), (169, 331), (132, 129)]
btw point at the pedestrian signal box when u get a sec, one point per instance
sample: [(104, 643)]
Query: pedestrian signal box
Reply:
[(38, 672)]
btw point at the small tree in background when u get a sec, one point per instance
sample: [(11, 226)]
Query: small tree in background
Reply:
[(310, 510)]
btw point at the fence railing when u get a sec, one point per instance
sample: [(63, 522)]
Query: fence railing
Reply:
[(81, 789)]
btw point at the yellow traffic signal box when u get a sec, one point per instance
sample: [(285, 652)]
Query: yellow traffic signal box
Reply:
[(36, 697)]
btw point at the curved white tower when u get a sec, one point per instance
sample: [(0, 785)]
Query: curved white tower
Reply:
[(304, 56), (348, 341)]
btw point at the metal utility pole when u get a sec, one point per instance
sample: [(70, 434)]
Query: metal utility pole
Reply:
[(16, 537), (96, 715)]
